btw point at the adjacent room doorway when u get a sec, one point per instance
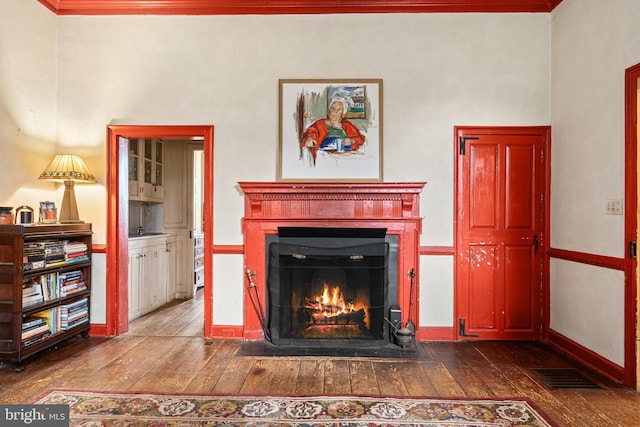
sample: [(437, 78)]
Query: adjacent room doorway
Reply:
[(501, 210), (117, 216)]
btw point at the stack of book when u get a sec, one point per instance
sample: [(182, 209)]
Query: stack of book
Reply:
[(34, 329), (33, 256), (75, 252), (70, 282), (54, 253), (74, 314), (32, 293)]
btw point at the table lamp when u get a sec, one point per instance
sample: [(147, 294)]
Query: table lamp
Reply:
[(68, 168)]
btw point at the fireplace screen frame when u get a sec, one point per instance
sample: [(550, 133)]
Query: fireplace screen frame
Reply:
[(340, 241)]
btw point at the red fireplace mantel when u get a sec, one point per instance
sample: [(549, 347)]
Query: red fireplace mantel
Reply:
[(269, 205)]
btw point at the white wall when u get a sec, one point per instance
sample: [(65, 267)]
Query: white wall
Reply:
[(593, 43), (28, 62)]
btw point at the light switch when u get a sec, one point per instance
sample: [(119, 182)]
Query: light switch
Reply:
[(614, 207)]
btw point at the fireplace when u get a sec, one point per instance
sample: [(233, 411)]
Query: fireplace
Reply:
[(327, 262), (330, 286)]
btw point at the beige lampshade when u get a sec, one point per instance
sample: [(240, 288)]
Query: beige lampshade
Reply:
[(68, 168)]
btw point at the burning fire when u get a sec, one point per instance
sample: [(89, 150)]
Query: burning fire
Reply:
[(330, 303)]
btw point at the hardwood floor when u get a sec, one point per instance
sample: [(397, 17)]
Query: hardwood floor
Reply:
[(166, 352)]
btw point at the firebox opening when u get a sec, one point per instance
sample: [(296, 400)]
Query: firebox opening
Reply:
[(330, 287)]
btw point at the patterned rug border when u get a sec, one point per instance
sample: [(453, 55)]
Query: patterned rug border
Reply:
[(528, 401)]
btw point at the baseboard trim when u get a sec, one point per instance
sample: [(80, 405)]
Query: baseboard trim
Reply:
[(227, 331), (586, 356), (435, 333), (98, 330)]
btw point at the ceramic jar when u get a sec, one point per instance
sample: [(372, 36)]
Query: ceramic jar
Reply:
[(6, 215)]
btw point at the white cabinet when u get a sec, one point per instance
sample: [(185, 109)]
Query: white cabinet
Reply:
[(198, 260), (146, 174), (152, 267), (135, 278)]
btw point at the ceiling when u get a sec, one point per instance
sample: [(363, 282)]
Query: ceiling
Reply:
[(267, 7)]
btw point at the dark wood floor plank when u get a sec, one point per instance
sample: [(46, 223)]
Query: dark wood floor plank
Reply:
[(487, 380), (337, 379), (389, 378), (311, 376), (443, 382), (213, 370), (459, 361), (285, 376), (415, 380), (234, 375), (363, 377), (259, 377)]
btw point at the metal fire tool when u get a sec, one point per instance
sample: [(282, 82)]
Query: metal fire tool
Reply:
[(254, 294), (410, 325)]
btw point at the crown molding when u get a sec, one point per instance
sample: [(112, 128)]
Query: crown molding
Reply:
[(284, 7)]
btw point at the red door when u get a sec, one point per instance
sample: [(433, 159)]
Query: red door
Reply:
[(500, 233)]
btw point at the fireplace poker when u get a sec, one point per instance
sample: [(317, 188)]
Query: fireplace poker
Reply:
[(410, 325), (254, 294)]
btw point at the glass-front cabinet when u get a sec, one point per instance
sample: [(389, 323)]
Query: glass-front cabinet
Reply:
[(145, 169)]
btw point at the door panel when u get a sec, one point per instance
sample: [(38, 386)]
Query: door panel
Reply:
[(483, 200), (518, 296), (483, 279), (519, 188), (500, 188)]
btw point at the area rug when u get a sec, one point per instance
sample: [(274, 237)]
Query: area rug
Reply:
[(96, 408)]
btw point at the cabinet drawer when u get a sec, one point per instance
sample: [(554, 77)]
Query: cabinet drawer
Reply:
[(198, 262)]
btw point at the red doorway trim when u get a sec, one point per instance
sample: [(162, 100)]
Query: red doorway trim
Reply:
[(632, 75), (117, 321)]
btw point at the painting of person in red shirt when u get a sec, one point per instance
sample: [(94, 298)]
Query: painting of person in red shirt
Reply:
[(333, 133)]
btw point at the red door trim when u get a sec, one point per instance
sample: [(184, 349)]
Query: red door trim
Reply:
[(117, 313), (632, 75)]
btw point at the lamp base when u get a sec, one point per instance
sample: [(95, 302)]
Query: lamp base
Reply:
[(69, 208)]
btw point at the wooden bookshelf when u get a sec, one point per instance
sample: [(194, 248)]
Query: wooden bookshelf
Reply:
[(45, 287)]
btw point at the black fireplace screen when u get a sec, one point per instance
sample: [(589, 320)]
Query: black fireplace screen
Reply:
[(327, 291)]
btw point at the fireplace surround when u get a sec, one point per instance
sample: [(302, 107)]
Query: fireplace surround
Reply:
[(270, 207)]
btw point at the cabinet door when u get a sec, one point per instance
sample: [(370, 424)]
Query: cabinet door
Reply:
[(134, 168), (151, 278), (171, 271), (158, 171), (135, 282)]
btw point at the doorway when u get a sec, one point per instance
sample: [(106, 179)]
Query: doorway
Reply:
[(501, 231), (117, 216)]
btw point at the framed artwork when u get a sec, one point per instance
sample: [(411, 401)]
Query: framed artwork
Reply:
[(48, 212), (330, 130)]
